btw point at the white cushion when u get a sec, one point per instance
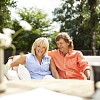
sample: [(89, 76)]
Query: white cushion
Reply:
[(12, 75), (14, 59), (23, 73), (18, 72), (5, 78)]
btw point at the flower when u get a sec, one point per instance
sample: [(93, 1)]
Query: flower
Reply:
[(6, 39), (5, 42), (25, 25), (8, 31)]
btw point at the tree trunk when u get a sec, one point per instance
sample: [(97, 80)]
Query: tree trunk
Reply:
[(93, 4), (93, 43)]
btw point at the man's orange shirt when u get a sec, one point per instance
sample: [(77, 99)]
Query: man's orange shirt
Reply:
[(70, 66)]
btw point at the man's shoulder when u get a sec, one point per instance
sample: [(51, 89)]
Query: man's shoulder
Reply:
[(77, 52), (53, 51)]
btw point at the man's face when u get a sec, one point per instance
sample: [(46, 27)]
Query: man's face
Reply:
[(62, 46)]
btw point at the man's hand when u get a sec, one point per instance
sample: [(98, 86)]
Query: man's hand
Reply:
[(87, 73)]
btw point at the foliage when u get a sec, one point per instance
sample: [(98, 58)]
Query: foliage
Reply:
[(5, 12), (40, 24), (52, 41), (75, 18)]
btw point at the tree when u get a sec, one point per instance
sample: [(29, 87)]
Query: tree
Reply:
[(94, 23), (40, 24), (75, 18), (5, 13), (52, 40)]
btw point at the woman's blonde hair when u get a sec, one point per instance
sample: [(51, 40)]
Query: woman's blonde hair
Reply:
[(40, 41), (66, 38)]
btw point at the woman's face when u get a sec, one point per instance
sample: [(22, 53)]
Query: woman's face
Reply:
[(40, 50)]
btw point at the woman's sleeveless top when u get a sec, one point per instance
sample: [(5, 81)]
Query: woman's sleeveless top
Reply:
[(37, 70)]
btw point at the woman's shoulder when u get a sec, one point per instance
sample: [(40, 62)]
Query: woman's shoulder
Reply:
[(47, 56), (30, 55)]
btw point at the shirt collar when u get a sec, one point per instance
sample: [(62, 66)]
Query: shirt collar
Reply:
[(69, 52)]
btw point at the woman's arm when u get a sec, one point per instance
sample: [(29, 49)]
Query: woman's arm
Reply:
[(53, 69), (20, 60)]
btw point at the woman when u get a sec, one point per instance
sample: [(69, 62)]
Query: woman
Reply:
[(70, 63), (38, 63)]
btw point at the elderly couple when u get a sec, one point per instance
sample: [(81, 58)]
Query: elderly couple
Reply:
[(64, 63)]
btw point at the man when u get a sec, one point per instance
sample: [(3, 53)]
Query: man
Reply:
[(70, 63)]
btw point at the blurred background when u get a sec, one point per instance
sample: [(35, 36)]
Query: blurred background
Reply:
[(80, 18)]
